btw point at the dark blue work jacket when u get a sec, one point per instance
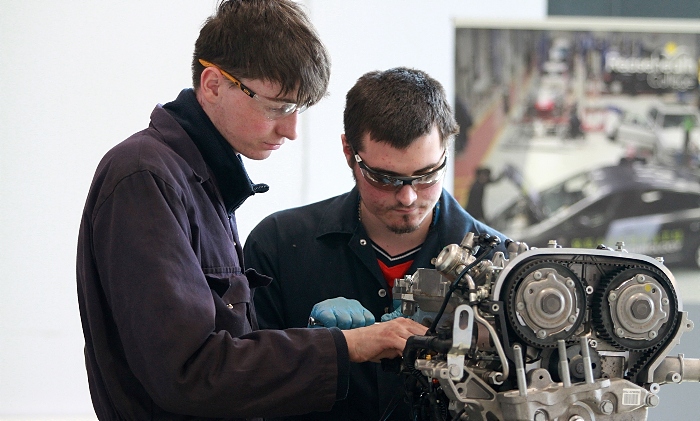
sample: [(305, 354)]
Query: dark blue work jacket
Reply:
[(322, 251)]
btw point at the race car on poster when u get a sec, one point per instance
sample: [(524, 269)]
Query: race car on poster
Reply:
[(654, 210), (546, 103), (667, 133)]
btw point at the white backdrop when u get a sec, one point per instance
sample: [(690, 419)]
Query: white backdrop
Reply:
[(77, 77)]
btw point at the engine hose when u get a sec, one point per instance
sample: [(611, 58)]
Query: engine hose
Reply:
[(416, 343), (496, 341)]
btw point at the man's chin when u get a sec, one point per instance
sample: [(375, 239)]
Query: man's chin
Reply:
[(406, 224), (403, 229)]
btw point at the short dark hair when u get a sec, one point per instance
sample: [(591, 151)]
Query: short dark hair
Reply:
[(270, 40), (397, 106)]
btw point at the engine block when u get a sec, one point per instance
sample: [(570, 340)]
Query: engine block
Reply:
[(551, 334)]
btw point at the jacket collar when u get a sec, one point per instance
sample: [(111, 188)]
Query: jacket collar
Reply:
[(341, 216), (226, 165)]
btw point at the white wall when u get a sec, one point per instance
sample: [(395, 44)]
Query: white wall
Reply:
[(77, 77)]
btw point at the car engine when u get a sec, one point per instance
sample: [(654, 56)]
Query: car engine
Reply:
[(549, 334)]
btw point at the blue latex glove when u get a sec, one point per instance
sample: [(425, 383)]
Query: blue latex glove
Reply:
[(342, 313), (394, 314)]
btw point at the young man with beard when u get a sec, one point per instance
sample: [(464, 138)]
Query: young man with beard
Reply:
[(336, 260)]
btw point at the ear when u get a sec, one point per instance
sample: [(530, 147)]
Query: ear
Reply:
[(347, 150), (210, 85)]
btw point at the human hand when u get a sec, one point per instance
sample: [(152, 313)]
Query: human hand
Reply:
[(381, 340), (342, 313), (394, 314)]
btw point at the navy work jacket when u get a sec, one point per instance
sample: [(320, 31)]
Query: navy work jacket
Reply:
[(322, 251)]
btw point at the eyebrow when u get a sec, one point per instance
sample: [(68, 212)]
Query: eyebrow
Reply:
[(281, 100), (419, 171), (275, 99), (285, 99)]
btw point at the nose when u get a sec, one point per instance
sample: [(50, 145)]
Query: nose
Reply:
[(406, 195), (287, 126)]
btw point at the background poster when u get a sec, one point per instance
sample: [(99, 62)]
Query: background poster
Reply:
[(585, 132)]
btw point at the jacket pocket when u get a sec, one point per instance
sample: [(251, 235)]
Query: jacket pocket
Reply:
[(231, 295), (219, 283)]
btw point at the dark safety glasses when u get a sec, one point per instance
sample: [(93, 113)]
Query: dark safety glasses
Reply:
[(394, 182)]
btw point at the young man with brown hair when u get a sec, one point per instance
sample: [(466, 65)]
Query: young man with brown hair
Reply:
[(165, 302)]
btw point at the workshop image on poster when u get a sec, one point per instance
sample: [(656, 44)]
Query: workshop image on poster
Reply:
[(582, 136)]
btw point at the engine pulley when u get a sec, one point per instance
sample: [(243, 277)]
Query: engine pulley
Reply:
[(546, 303), (637, 309)]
